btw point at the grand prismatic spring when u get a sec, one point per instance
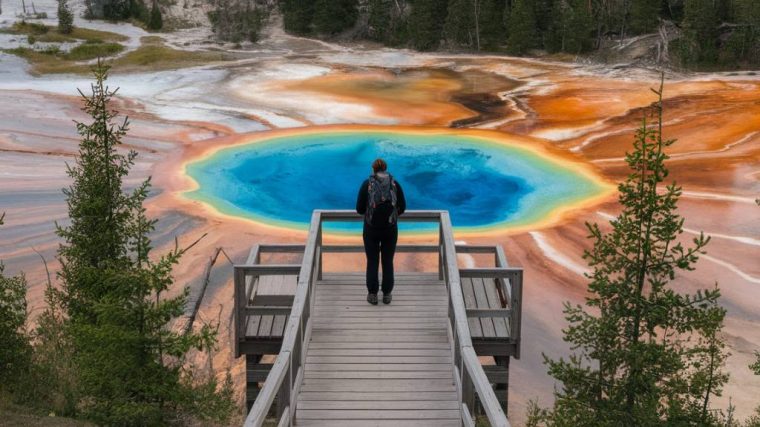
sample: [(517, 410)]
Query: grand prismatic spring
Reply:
[(522, 151), (439, 169)]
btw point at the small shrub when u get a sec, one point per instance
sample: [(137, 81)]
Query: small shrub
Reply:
[(34, 28), (156, 21), (87, 51), (31, 39), (65, 18)]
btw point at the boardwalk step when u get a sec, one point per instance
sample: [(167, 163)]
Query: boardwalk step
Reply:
[(370, 414), (379, 423)]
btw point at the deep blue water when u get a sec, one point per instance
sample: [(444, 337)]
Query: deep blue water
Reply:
[(284, 179)]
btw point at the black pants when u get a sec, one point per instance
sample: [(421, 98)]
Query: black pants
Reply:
[(377, 242)]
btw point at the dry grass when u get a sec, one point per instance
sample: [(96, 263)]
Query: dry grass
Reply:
[(87, 51), (49, 34), (48, 63), (152, 55)]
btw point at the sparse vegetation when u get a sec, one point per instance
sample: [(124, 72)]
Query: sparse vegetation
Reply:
[(87, 51), (47, 34), (152, 55)]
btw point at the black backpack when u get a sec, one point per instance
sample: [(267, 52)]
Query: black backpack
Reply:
[(381, 201)]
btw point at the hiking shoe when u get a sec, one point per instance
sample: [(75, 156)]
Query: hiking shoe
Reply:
[(372, 299), (387, 298)]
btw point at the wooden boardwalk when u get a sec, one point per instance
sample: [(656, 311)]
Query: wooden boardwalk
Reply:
[(379, 365), (344, 362)]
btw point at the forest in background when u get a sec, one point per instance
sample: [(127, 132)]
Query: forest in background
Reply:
[(708, 33), (692, 34)]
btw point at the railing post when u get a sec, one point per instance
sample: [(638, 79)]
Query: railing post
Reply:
[(283, 394), (239, 309), (319, 251), (516, 307), (468, 390), (440, 250)]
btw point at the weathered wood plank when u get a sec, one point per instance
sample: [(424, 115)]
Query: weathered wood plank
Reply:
[(500, 324), (413, 305), (321, 336), (349, 314), (373, 327), (370, 414), (357, 291), (378, 345), (362, 299), (272, 300), (379, 423), (375, 367), (379, 352), (378, 359), (381, 405), (365, 374), (390, 322), (269, 285), (422, 284), (376, 396), (379, 309), (265, 326), (379, 335), (278, 325), (469, 301), (252, 326), (481, 300), (386, 385)]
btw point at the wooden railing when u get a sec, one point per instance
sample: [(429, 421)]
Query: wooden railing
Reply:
[(286, 375)]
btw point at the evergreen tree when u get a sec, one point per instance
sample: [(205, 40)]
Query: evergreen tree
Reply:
[(571, 27), (543, 14), (492, 30), (379, 20), (15, 349), (235, 21), (745, 40), (645, 16), (334, 16), (645, 354), (426, 23), (297, 15), (523, 33), (388, 22), (116, 10), (53, 379), (65, 18), (699, 43), (156, 22), (461, 27), (129, 362)]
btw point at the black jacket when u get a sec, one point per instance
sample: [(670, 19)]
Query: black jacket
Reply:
[(361, 199)]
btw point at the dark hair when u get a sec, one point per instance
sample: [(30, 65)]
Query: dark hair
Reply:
[(379, 165)]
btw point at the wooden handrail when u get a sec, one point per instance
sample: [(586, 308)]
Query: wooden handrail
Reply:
[(284, 378), (472, 372), (490, 273)]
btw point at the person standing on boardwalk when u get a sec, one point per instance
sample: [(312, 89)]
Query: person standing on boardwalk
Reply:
[(381, 201)]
